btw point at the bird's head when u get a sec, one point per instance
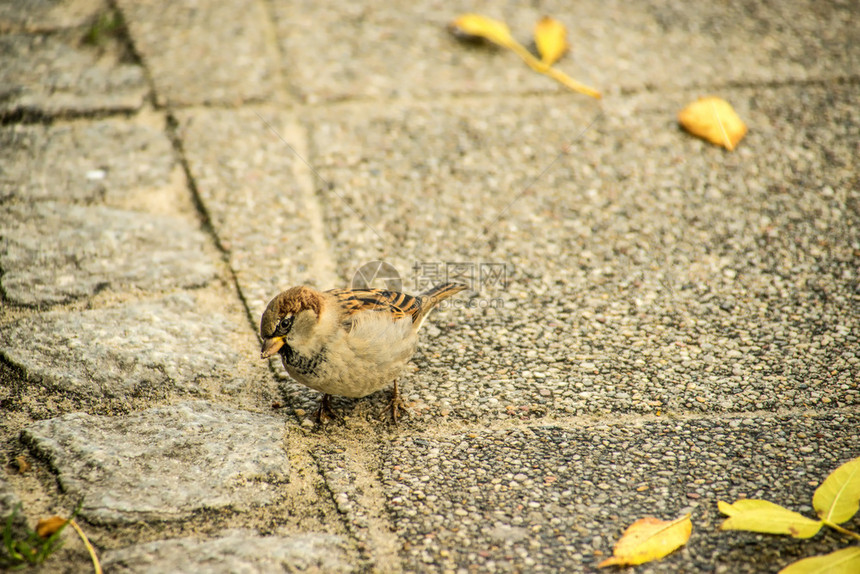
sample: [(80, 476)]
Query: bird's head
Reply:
[(289, 318)]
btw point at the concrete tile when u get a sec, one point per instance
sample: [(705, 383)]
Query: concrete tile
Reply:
[(41, 15), (164, 463), (118, 162), (213, 52), (54, 253), (646, 270), (57, 73), (378, 50), (671, 324), (556, 498), (115, 359), (258, 196), (236, 551)]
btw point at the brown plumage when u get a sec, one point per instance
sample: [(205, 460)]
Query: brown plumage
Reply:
[(349, 342)]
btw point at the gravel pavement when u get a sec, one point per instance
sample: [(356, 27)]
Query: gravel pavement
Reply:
[(652, 324)]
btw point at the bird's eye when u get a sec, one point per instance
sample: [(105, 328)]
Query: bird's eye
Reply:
[(285, 324)]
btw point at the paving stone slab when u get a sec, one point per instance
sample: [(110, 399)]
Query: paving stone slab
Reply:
[(38, 15), (381, 50), (184, 46), (58, 74), (237, 551), (259, 198), (84, 161), (53, 253), (645, 270), (551, 499), (149, 350), (164, 463)]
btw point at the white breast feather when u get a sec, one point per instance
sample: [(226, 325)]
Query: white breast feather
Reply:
[(375, 336)]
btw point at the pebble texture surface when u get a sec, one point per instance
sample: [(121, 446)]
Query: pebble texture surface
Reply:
[(203, 74), (652, 324), (543, 497), (58, 74), (84, 162)]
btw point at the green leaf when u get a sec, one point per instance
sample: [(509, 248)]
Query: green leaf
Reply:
[(767, 517), (845, 561), (838, 497)]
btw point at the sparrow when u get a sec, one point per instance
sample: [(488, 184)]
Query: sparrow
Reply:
[(347, 342)]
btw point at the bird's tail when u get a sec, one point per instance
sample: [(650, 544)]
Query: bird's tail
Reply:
[(434, 295)]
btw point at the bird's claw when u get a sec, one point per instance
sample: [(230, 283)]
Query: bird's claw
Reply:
[(326, 412), (396, 407)]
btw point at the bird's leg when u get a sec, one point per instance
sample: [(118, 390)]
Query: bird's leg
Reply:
[(396, 406), (326, 411)]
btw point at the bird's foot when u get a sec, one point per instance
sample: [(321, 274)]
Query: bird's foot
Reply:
[(326, 412), (396, 407)]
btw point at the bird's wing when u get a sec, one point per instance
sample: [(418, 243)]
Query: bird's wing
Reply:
[(398, 305)]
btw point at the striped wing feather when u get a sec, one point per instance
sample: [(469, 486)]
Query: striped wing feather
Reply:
[(398, 304)]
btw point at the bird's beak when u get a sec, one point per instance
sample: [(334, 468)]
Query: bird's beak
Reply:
[(271, 346)]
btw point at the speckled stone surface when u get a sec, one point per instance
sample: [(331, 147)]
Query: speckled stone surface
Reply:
[(379, 50), (149, 350), (83, 161), (164, 463), (54, 253), (185, 47), (554, 498), (236, 551), (653, 324), (644, 270), (36, 15), (58, 74), (259, 197)]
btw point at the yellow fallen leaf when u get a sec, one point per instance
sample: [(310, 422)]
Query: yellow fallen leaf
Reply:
[(496, 31), (845, 561), (767, 517), (649, 539), (715, 120), (475, 25), (550, 39), (48, 526), (838, 497)]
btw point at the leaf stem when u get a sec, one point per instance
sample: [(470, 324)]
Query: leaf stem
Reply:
[(96, 565), (543, 68), (838, 528)]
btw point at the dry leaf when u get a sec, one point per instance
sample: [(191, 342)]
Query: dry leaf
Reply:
[(550, 39), (838, 497), (477, 26), (470, 26), (649, 539), (48, 526), (22, 463), (767, 517), (715, 120)]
